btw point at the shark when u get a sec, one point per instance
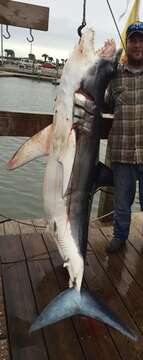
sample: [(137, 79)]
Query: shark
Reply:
[(73, 174)]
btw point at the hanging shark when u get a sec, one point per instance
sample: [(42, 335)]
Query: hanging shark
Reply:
[(73, 173)]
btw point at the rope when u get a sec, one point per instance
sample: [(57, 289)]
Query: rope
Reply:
[(104, 191), (44, 227), (19, 222), (7, 219), (83, 24), (104, 216)]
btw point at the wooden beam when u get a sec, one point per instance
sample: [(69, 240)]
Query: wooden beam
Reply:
[(27, 124), (24, 15), (106, 198)]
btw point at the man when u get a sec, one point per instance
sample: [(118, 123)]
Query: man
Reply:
[(125, 143)]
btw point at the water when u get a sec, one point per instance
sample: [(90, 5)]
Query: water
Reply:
[(26, 95), (21, 190)]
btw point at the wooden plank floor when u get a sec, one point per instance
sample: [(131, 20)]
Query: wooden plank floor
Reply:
[(32, 274)]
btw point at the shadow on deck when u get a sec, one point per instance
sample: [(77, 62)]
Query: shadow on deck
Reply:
[(32, 274)]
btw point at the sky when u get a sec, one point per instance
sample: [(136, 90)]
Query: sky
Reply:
[(64, 18)]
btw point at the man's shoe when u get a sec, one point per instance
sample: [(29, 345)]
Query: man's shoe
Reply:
[(115, 245)]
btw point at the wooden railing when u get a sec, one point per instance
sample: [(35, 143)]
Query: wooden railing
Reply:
[(27, 124)]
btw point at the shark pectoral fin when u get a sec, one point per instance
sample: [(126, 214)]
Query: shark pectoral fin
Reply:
[(67, 159), (71, 302), (38, 145), (103, 175)]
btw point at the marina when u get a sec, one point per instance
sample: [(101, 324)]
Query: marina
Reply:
[(32, 274), (40, 74)]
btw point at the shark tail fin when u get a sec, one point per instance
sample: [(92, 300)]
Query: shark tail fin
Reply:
[(71, 302)]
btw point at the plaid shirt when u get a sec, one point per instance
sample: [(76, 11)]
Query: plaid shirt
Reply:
[(125, 93)]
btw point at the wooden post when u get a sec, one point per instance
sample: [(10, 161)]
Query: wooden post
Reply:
[(106, 197)]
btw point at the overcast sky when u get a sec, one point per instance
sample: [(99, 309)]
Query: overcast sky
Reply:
[(64, 19)]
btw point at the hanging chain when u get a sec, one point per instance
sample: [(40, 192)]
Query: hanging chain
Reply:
[(84, 12), (83, 24)]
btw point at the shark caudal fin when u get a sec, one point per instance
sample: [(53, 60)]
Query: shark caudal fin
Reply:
[(38, 145), (70, 302)]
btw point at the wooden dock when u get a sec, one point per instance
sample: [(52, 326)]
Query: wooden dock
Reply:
[(28, 75), (32, 274)]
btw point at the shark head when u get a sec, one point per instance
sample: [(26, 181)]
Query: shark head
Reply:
[(86, 45)]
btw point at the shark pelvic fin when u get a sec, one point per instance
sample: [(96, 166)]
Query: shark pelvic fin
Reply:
[(103, 175), (71, 302), (38, 145), (67, 159)]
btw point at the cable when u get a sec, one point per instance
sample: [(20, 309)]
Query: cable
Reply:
[(41, 226), (115, 22), (1, 222)]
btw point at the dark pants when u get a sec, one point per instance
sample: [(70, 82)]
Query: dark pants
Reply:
[(125, 176)]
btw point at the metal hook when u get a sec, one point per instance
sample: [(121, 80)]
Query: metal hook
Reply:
[(32, 37), (80, 28), (8, 34)]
